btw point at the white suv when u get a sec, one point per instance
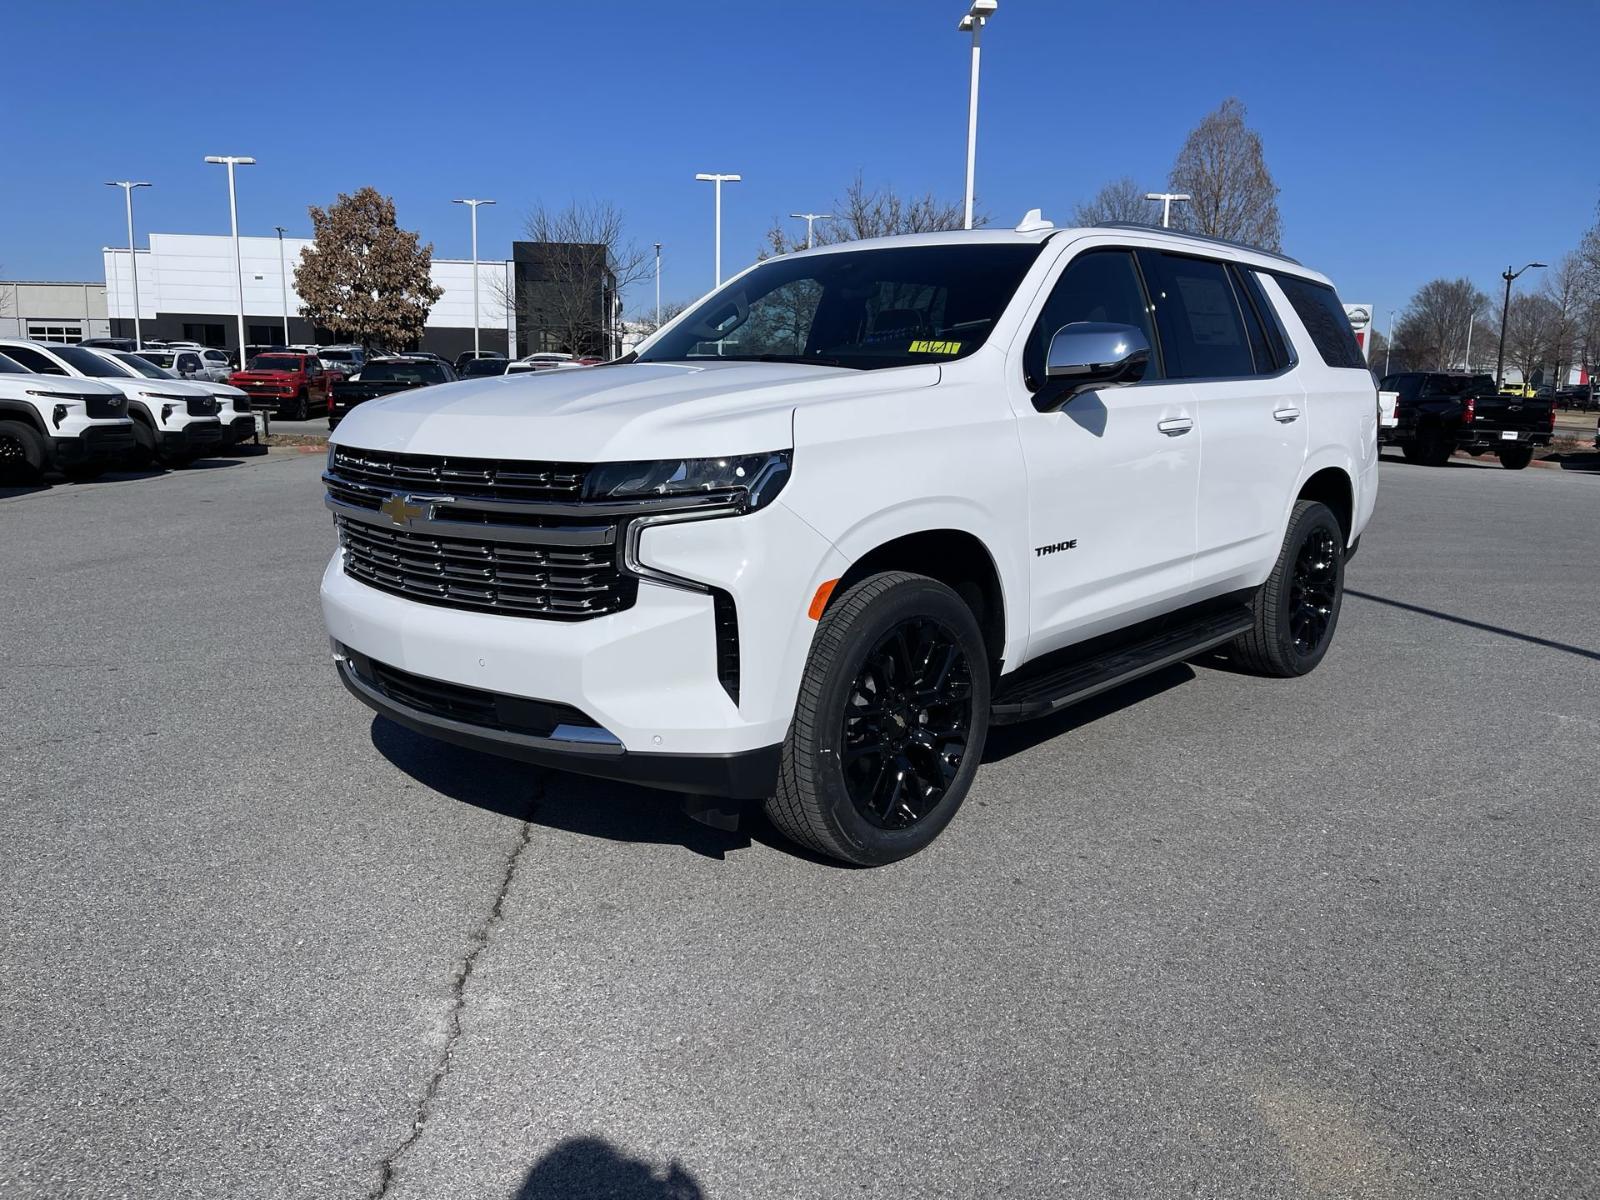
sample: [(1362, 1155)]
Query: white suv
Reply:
[(75, 426), (174, 422), (819, 532)]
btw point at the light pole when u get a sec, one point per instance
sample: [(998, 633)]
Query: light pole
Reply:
[(1505, 311), (127, 186), (811, 219), (283, 281), (231, 161), (1388, 345), (719, 180), (473, 205), (1168, 199), (658, 285), (973, 23)]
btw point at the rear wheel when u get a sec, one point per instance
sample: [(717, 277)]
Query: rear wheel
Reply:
[(1434, 449), (890, 723), (1515, 458), (21, 453), (1297, 609)]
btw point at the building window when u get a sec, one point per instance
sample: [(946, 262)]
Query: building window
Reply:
[(266, 335), (55, 333), (206, 334)]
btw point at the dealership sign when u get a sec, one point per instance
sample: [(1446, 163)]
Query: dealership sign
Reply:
[(1361, 321)]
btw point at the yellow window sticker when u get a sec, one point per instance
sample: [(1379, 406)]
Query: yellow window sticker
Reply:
[(935, 348)]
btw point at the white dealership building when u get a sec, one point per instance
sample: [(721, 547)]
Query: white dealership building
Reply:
[(188, 290)]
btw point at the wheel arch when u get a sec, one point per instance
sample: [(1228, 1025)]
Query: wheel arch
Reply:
[(17, 410), (1334, 486)]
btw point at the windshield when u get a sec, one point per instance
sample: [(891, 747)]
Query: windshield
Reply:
[(275, 362), (142, 365), (403, 372), (855, 308), (87, 362)]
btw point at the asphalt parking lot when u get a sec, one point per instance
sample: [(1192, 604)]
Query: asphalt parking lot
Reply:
[(1213, 935)]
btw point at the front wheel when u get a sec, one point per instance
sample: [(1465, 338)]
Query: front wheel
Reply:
[(890, 723), (1297, 609), (21, 453), (1515, 458), (297, 408)]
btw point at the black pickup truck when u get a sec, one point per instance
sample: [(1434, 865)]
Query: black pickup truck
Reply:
[(383, 377), (1439, 412)]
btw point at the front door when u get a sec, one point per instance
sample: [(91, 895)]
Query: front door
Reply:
[(1112, 475)]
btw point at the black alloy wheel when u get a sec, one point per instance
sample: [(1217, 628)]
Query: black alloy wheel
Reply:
[(907, 723), (1314, 590)]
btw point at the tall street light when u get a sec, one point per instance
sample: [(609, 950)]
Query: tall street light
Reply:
[(1389, 344), (1505, 311), (973, 23), (811, 219), (127, 186), (231, 161), (658, 285), (719, 180), (283, 282), (473, 205), (1168, 199)]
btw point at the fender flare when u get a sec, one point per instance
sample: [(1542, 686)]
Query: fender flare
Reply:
[(21, 410)]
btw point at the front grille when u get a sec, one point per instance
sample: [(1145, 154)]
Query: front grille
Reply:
[(241, 404), (479, 478), (202, 406), (511, 578), (470, 706), (101, 406)]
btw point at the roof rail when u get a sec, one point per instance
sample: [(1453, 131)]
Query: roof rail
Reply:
[(1198, 237)]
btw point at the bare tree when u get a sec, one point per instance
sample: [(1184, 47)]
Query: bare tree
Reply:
[(1531, 331), (570, 292), (1433, 328), (1120, 200), (864, 212), (1567, 289), (1223, 169)]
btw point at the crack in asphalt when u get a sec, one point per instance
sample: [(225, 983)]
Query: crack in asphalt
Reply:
[(479, 941)]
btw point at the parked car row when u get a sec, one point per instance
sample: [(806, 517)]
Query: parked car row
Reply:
[(82, 410)]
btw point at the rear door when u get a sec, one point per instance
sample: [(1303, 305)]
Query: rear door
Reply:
[(1250, 409)]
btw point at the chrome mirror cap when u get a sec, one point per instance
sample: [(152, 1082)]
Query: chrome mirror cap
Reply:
[(1093, 350)]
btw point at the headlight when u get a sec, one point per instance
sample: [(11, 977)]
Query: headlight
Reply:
[(751, 479), (164, 396)]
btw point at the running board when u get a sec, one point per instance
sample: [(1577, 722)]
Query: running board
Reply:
[(1037, 694)]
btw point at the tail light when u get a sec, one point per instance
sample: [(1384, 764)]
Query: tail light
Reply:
[(1472, 409)]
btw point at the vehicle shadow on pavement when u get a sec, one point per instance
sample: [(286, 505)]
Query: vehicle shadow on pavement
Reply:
[(1006, 740), (590, 1168), (575, 804), (1533, 639)]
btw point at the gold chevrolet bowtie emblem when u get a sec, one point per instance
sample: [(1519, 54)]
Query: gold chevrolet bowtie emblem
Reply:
[(399, 510)]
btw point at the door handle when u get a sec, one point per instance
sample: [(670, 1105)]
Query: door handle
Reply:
[(1285, 415), (1175, 426)]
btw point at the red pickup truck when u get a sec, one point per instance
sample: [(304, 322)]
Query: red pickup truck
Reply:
[(295, 384)]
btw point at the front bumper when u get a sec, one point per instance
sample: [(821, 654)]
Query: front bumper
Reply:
[(239, 428), (94, 443), (200, 434), (581, 749)]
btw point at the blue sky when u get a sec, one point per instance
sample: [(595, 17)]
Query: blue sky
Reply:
[(1411, 140)]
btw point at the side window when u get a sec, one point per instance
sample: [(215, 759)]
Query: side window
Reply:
[(1260, 324), (1319, 309), (34, 361), (1101, 285), (1202, 332)]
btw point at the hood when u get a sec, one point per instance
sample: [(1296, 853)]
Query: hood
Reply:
[(137, 387), (615, 413), (55, 385)]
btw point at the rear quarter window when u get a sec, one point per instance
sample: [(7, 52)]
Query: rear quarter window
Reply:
[(1320, 311)]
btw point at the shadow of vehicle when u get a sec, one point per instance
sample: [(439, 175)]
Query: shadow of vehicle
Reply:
[(1531, 639), (591, 1168), (1006, 740), (590, 807)]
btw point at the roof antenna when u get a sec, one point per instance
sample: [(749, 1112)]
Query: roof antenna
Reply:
[(1032, 220)]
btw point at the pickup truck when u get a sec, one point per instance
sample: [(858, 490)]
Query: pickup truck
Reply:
[(290, 381), (1435, 413), (383, 377), (807, 554)]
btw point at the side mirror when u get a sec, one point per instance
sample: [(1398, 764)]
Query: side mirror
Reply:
[(1090, 354)]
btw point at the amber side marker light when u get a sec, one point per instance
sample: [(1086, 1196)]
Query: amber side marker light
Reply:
[(820, 600)]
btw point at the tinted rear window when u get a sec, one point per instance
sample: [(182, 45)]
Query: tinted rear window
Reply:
[(1319, 309)]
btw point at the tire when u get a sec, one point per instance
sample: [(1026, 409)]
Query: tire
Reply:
[(298, 411), (22, 458), (1434, 449), (1412, 452), (1297, 609), (1515, 458), (871, 788), (144, 453)]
